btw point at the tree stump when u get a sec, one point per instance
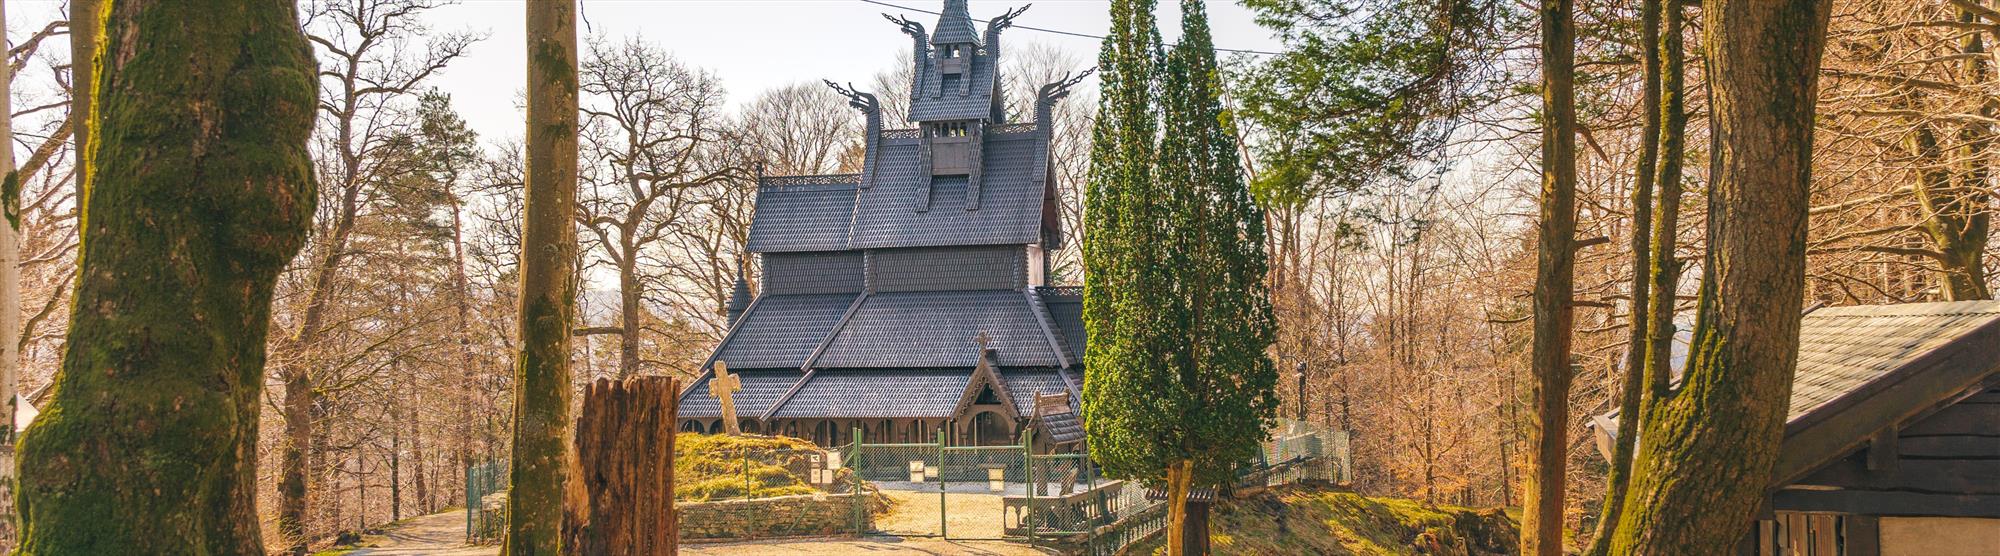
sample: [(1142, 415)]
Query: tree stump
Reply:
[(625, 470)]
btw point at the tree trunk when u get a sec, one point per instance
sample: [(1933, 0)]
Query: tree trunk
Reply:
[(395, 472), (422, 485), (1632, 384), (468, 365), (1180, 480), (292, 459), (628, 315), (1710, 444), (548, 285), (84, 19), (202, 192), (1959, 215), (10, 300), (1666, 221), (625, 454), (1542, 512)]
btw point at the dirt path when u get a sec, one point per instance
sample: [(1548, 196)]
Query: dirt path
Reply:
[(443, 534), (871, 546), (973, 515)]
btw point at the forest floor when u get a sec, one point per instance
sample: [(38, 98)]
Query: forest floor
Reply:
[(443, 534)]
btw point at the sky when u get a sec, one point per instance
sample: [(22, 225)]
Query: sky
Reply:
[(752, 45)]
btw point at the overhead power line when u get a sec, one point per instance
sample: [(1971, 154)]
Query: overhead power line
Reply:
[(1061, 32)]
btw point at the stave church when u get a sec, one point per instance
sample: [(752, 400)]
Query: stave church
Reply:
[(909, 301)]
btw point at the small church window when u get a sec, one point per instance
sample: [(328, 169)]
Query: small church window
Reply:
[(949, 129)]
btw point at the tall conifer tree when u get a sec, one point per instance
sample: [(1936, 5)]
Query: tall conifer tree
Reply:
[(1181, 389)]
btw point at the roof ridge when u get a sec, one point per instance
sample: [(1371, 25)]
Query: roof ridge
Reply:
[(1047, 323)]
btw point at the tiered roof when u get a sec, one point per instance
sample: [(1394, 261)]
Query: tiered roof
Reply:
[(948, 256)]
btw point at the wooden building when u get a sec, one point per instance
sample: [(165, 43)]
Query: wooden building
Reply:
[(911, 299), (1892, 440)]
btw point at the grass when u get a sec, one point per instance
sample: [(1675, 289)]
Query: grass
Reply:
[(1302, 520), (719, 467)]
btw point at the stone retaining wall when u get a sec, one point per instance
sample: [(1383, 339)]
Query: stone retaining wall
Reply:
[(805, 515)]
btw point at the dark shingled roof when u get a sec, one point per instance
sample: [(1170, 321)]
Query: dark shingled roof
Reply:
[(936, 329), (955, 25), (831, 216), (760, 389), (1869, 369), (871, 393), (942, 102), (807, 217), (783, 330), (1062, 428), (1024, 384), (1842, 349), (1010, 204), (1066, 309)]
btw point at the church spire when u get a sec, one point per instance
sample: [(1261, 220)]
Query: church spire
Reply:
[(955, 25), (739, 296)]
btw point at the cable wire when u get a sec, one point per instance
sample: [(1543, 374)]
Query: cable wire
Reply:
[(1060, 32)]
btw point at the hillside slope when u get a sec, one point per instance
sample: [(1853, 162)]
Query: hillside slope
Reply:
[(1301, 520)]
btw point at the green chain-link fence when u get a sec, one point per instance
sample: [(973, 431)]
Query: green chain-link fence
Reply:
[(485, 501)]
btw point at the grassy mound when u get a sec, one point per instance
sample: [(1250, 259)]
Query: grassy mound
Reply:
[(720, 467), (1310, 521)]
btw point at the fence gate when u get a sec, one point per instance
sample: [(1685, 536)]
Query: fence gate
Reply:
[(908, 475), (976, 483)]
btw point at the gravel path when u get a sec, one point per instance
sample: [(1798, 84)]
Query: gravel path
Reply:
[(443, 534)]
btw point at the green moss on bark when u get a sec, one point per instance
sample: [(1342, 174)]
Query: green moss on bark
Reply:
[(548, 283), (1709, 446), (201, 192)]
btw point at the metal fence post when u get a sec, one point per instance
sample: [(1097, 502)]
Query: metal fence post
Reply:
[(469, 506), (944, 521), (859, 497), (1028, 460), (746, 473)]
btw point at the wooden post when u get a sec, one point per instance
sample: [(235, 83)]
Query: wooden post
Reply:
[(625, 459)]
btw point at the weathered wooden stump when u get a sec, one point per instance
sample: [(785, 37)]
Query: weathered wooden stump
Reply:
[(622, 502)]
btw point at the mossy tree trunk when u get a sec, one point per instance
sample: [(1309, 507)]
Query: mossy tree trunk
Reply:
[(1656, 50), (85, 20), (200, 192), (10, 299), (1709, 446), (548, 286), (1542, 511)]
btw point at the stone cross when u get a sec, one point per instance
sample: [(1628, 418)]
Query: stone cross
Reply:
[(983, 340), (724, 387)]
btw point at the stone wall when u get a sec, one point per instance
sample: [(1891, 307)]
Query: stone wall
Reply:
[(805, 515)]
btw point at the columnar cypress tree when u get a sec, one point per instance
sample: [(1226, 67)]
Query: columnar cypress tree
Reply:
[(200, 192), (1184, 391), (1119, 410)]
